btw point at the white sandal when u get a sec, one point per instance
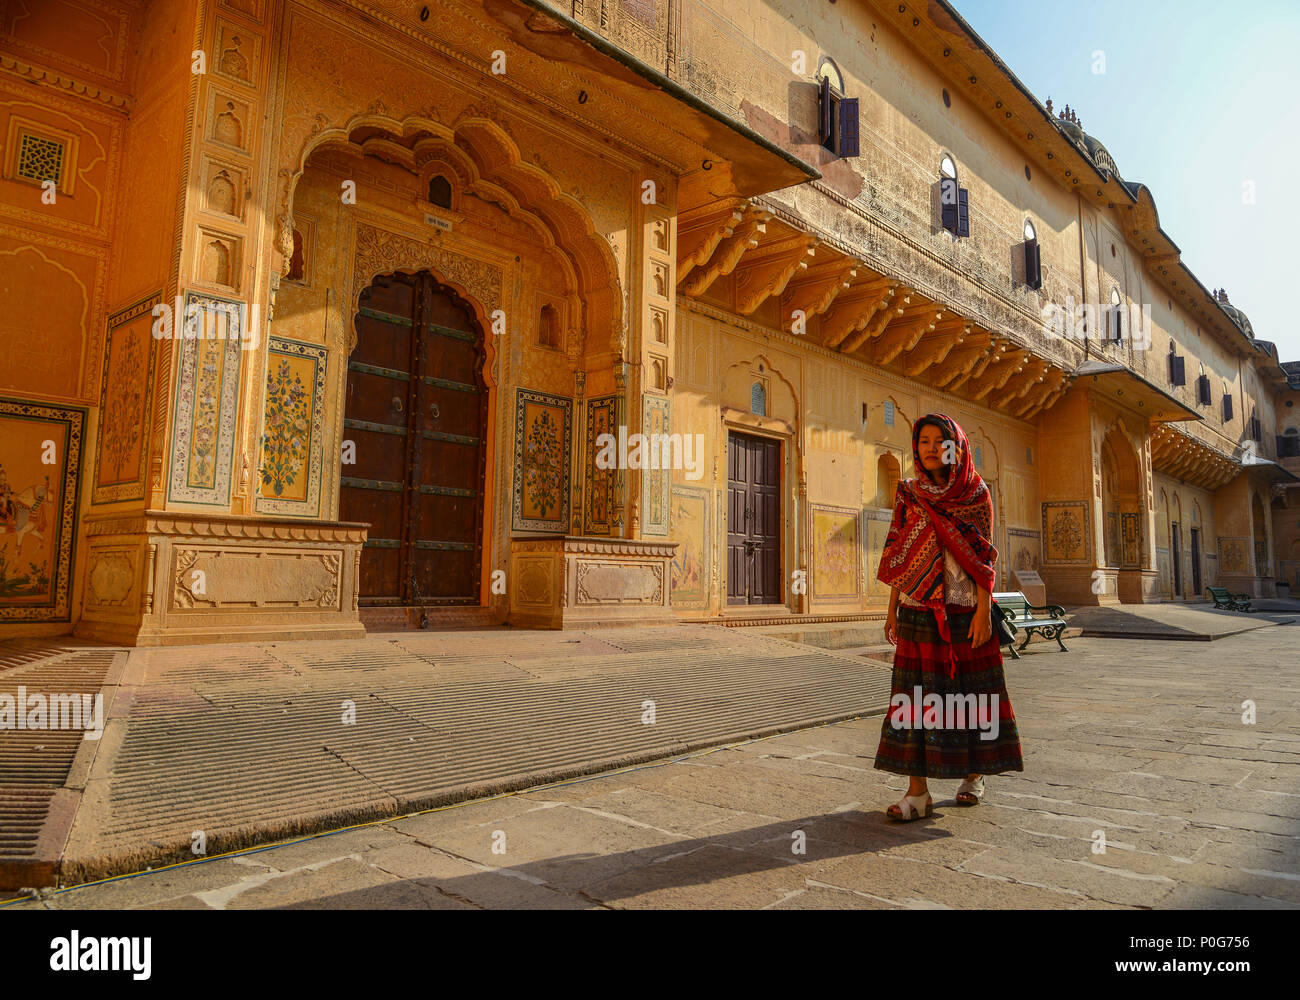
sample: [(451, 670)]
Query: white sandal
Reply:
[(975, 789), (911, 807)]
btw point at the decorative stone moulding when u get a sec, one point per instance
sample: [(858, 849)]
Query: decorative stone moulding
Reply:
[(163, 579), (566, 581)]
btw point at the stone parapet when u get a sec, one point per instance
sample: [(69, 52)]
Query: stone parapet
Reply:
[(578, 582), (163, 578)]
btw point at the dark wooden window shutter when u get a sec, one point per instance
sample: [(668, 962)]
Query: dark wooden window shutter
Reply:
[(1178, 369), (1203, 390), (825, 128), (1115, 323), (848, 138), (948, 203), (1227, 407), (963, 212), (1033, 264)]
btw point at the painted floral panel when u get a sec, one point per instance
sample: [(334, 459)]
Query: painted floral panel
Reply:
[(207, 397), (289, 466), (541, 473), (124, 405)]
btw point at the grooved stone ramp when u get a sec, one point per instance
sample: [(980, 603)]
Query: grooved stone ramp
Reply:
[(250, 743), (36, 765)]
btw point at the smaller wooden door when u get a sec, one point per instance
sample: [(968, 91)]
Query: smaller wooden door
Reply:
[(753, 520), (1196, 562), (1176, 536)]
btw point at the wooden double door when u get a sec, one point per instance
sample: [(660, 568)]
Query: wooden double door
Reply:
[(416, 417), (753, 520)]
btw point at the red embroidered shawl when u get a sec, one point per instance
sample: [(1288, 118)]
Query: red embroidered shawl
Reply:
[(959, 519)]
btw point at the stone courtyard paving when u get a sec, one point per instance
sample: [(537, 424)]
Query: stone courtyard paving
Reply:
[(1140, 741)]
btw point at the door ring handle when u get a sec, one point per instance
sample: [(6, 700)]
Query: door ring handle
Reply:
[(434, 411), (398, 405)]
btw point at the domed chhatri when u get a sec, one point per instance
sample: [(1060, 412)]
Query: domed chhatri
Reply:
[(1068, 122), (1235, 314)]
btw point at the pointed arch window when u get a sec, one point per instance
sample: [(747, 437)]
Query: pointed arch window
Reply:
[(440, 191)]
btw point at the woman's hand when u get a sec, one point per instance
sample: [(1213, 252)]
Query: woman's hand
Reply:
[(891, 627)]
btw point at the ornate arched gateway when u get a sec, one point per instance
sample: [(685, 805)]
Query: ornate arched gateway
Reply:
[(416, 418), (476, 314)]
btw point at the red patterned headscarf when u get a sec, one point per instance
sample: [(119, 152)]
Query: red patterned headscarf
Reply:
[(958, 518)]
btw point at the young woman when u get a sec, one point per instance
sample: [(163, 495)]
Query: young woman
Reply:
[(938, 560)]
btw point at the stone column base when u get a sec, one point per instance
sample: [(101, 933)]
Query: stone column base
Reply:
[(1139, 586), (575, 582), (161, 579)]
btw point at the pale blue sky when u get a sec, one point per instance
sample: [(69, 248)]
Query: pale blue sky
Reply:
[(1197, 98)]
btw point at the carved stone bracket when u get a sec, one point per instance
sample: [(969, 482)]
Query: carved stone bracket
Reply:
[(767, 270)]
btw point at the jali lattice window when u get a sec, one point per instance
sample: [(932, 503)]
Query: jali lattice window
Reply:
[(40, 159)]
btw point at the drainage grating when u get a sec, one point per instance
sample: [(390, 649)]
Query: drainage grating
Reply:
[(34, 763)]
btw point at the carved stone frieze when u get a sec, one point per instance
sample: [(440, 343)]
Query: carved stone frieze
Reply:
[(619, 583), (248, 578)]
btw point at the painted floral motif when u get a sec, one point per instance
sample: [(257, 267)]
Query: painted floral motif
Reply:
[(284, 445), (541, 467), (1067, 536), (542, 464), (124, 414), (207, 392)]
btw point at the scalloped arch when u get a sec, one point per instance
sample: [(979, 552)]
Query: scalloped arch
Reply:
[(499, 172)]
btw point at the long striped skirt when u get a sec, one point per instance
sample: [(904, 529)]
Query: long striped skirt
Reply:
[(934, 727)]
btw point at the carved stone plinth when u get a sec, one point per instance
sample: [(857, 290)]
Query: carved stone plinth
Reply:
[(573, 582), (161, 579)]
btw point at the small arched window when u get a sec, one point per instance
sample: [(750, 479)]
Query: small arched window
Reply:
[(954, 204), (548, 328), (837, 125), (440, 191), (1033, 257), (1115, 317), (887, 475), (758, 400)]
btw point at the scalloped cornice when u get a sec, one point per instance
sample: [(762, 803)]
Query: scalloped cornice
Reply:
[(49, 78)]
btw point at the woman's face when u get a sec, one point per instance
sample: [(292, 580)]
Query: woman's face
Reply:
[(930, 447)]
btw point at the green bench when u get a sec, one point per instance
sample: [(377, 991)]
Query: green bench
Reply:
[(1049, 619), (1225, 600)]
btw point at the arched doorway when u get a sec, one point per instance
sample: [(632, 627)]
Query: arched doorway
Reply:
[(416, 413), (1262, 560), (1122, 516)]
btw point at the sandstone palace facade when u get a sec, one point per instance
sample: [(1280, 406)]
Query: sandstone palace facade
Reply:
[(316, 313)]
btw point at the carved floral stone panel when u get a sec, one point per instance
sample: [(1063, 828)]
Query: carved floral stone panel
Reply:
[(252, 578), (619, 583)]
